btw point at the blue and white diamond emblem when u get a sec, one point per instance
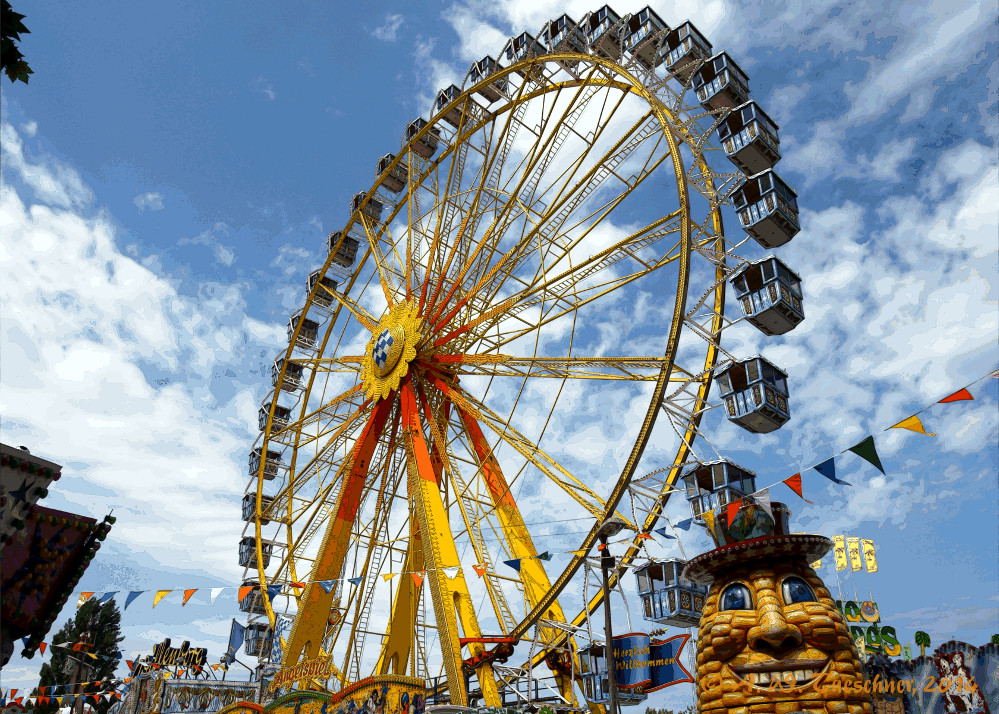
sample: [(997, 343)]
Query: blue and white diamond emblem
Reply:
[(380, 352)]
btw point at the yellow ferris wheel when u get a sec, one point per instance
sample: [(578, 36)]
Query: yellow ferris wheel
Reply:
[(436, 457)]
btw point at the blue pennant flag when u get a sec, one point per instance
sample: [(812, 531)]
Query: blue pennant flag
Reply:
[(515, 564), (281, 627), (685, 524), (664, 534), (108, 596), (828, 469), (328, 585), (236, 635), (131, 596), (273, 591)]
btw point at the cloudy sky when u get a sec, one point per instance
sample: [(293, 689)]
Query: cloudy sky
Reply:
[(171, 172)]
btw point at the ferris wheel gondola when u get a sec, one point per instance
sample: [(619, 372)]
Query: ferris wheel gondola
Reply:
[(491, 289)]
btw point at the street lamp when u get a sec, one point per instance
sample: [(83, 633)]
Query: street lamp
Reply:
[(608, 529)]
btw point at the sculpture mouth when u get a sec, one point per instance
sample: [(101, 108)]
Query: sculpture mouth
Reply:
[(789, 672)]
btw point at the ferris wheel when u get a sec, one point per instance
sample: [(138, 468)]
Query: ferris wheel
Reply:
[(545, 249)]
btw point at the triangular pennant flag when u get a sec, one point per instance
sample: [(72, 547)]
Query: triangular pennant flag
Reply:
[(107, 596), (181, 673), (215, 593), (273, 591), (328, 585), (865, 450), (353, 581), (59, 699), (515, 564), (732, 510), (644, 536), (91, 655), (160, 594), (452, 572), (479, 569), (388, 576), (664, 534), (961, 395), (912, 424), (794, 483), (41, 647), (116, 694), (685, 524), (828, 469), (243, 592), (83, 598), (298, 585), (762, 499), (131, 596), (41, 690), (187, 596), (131, 665), (546, 556), (418, 578), (579, 553), (709, 520)]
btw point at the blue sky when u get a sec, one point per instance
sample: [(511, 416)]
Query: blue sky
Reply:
[(171, 172)]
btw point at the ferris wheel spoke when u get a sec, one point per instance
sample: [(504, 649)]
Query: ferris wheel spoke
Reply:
[(388, 287), (632, 369)]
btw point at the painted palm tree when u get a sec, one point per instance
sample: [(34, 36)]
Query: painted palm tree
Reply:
[(995, 639), (923, 640)]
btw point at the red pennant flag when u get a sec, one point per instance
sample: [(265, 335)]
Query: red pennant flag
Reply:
[(961, 395), (78, 647), (12, 693), (298, 585), (644, 536), (244, 591), (794, 483), (131, 664), (116, 694), (41, 647), (732, 511)]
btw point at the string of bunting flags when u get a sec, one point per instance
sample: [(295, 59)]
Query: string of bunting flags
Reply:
[(865, 449)]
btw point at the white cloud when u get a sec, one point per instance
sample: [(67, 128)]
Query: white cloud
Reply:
[(51, 181), (151, 200), (262, 84), (390, 29)]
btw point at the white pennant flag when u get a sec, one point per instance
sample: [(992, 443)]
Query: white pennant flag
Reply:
[(452, 572), (763, 500), (215, 593)]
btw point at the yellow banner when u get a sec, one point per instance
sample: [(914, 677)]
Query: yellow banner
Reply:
[(839, 550), (853, 547), (160, 594), (869, 558)]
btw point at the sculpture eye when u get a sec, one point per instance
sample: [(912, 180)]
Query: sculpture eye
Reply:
[(736, 597), (796, 590)]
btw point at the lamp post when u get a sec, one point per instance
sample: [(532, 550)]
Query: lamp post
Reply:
[(608, 529)]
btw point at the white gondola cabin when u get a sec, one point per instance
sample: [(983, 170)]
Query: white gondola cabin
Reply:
[(272, 463), (640, 36), (666, 597), (250, 506), (253, 603), (714, 484), (324, 295), (282, 415), (683, 49), (396, 179), (427, 145), (770, 295), (248, 552), (346, 254), (750, 139), (292, 380), (720, 83), (372, 208), (768, 209), (563, 35), (603, 32), (521, 47), (482, 69), (593, 672), (755, 395), (307, 336), (445, 97), (258, 639)]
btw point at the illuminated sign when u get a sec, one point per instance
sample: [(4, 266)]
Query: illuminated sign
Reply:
[(309, 669), (166, 656), (864, 620)]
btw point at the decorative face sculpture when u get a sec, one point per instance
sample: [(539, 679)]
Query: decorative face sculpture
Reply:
[(771, 641)]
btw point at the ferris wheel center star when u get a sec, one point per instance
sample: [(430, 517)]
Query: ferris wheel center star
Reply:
[(390, 350)]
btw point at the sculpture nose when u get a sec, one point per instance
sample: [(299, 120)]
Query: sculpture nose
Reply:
[(773, 633)]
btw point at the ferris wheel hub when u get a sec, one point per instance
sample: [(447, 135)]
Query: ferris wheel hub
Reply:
[(390, 350)]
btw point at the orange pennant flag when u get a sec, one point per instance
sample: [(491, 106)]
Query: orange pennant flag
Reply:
[(160, 594), (244, 591), (417, 578), (912, 424), (181, 673), (961, 395), (42, 646), (794, 483), (187, 596), (644, 536), (298, 585), (479, 569), (83, 598)]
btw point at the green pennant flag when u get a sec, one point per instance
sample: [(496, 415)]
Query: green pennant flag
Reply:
[(865, 450)]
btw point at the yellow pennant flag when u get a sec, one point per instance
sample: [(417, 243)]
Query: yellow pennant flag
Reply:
[(160, 594), (853, 547), (869, 558), (912, 424), (388, 576), (579, 553), (839, 551), (709, 519)]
